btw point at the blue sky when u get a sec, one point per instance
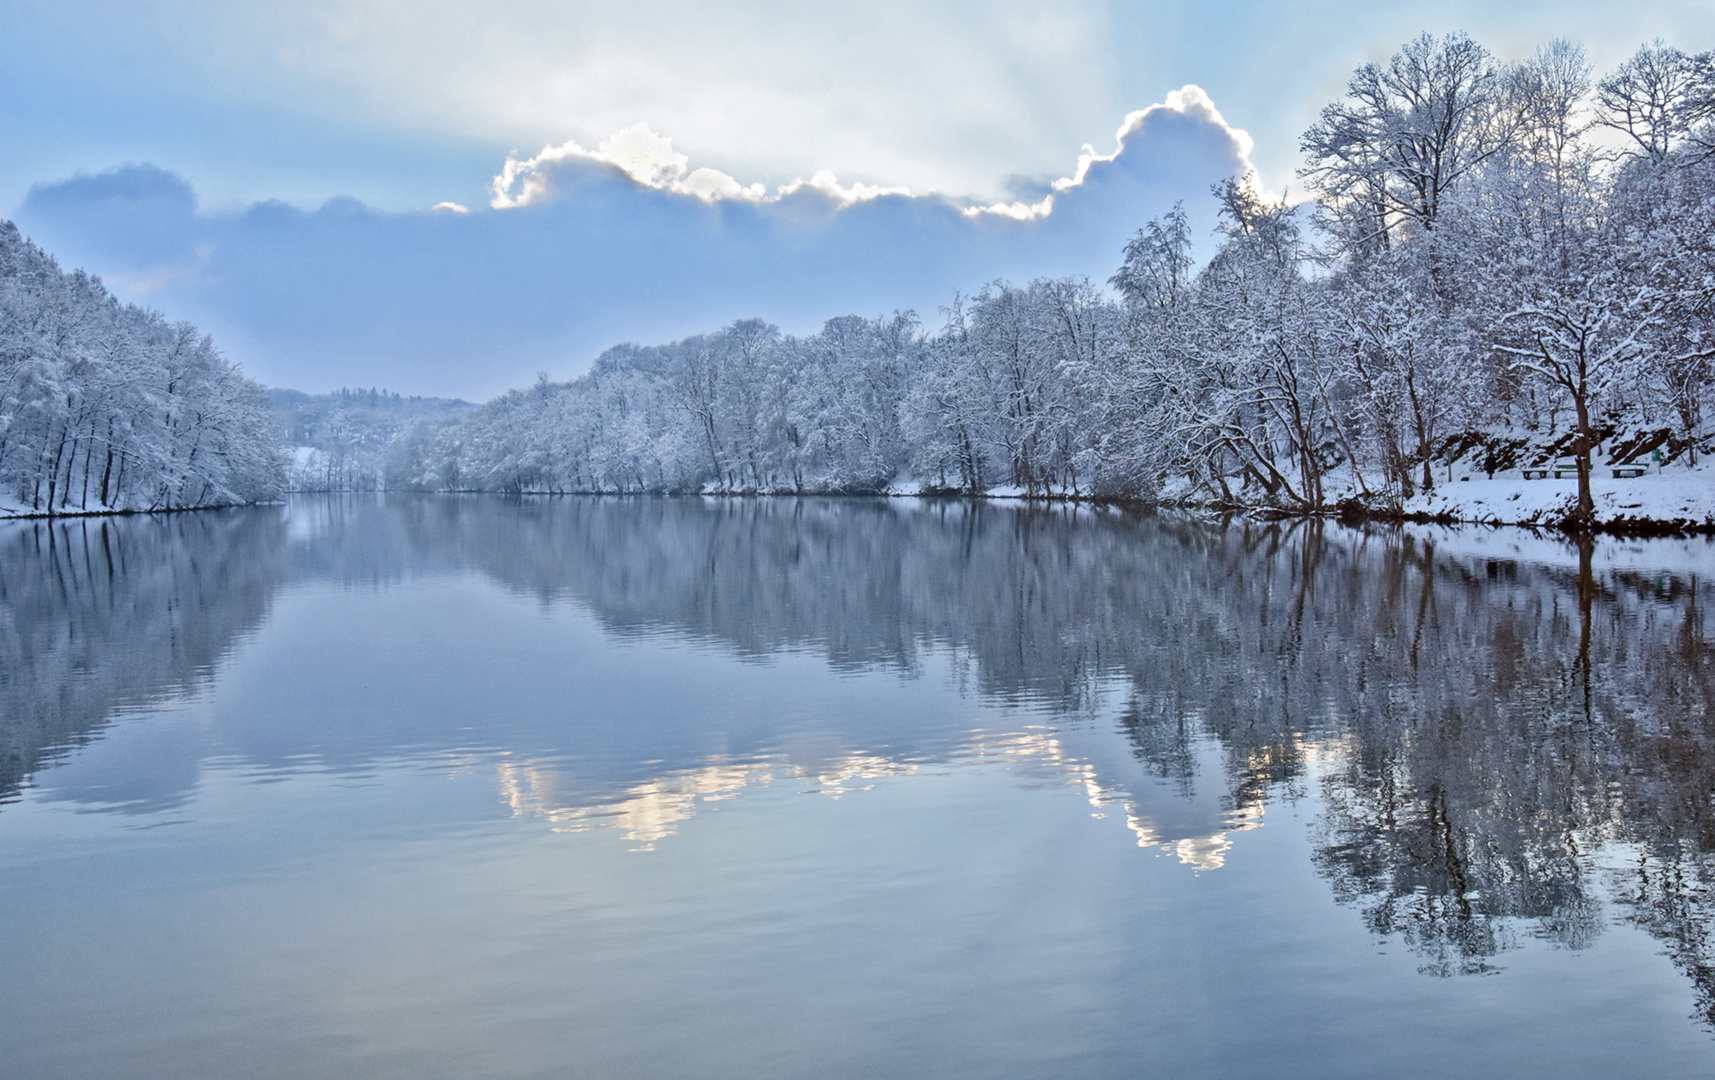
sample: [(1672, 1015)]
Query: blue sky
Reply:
[(270, 171)]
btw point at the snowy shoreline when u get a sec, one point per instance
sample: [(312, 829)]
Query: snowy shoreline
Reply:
[(1675, 501), (15, 512), (1678, 500)]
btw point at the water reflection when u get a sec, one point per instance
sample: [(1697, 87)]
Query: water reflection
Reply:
[(653, 809), (1508, 736), (99, 615)]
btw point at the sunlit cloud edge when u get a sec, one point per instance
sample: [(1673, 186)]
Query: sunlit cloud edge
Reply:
[(648, 159)]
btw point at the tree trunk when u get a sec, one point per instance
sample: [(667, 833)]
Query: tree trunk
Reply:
[(1585, 515)]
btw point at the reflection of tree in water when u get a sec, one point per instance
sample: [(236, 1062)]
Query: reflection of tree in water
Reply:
[(101, 613), (1483, 731), (1475, 779), (1503, 747), (1666, 774), (1024, 597), (1504, 726), (1480, 728)]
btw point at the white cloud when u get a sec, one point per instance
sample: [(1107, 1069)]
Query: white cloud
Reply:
[(1189, 100), (712, 184), (649, 159), (449, 208), (826, 183), (645, 156), (637, 151), (922, 93)]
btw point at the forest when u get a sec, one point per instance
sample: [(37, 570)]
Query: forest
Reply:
[(107, 406), (1499, 261)]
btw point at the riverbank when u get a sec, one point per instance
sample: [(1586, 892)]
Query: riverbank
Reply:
[(1671, 498), (16, 511), (1677, 500)]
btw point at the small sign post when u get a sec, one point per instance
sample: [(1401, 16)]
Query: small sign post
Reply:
[(1655, 456)]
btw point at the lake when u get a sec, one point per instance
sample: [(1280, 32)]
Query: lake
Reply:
[(675, 787)]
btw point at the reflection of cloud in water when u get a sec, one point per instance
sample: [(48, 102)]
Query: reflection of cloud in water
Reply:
[(1039, 745), (1205, 852), (654, 809), (644, 813)]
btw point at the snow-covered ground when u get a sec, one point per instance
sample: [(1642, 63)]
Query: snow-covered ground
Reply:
[(1678, 495), (11, 508)]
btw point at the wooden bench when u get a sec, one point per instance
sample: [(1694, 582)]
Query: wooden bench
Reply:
[(1621, 472), (1537, 472)]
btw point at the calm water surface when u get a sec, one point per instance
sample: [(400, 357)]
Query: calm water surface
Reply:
[(444, 787)]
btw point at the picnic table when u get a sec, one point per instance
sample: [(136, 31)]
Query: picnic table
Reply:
[(1561, 470), (1567, 469)]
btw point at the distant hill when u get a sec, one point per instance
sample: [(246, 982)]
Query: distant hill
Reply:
[(344, 441)]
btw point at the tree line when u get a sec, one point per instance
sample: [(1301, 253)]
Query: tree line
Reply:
[(109, 406), (1512, 258), (357, 440)]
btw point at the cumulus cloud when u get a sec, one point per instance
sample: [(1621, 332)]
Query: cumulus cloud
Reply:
[(584, 248), (1188, 101), (649, 159), (638, 152)]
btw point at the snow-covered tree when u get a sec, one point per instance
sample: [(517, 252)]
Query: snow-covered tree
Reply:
[(107, 406)]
